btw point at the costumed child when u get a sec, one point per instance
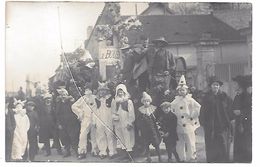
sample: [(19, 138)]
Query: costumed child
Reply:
[(84, 108), (20, 138), (123, 119), (168, 123), (68, 124), (104, 132), (148, 126), (33, 130), (47, 129), (187, 111)]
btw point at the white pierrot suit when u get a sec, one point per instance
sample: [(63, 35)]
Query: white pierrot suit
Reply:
[(187, 111), (104, 133), (84, 108), (123, 117), (20, 133)]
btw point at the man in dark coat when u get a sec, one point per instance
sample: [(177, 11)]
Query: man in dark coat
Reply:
[(242, 109), (21, 94), (128, 64), (9, 128), (140, 70), (215, 119), (67, 121), (127, 71), (33, 130), (162, 66), (163, 60)]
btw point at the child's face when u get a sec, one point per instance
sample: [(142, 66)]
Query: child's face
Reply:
[(166, 110), (182, 92), (19, 107), (215, 87), (64, 95), (88, 92), (48, 101), (103, 92), (120, 93), (146, 102)]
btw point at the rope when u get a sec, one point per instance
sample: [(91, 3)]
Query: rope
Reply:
[(74, 82)]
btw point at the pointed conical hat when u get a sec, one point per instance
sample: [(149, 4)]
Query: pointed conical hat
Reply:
[(182, 83), (146, 96)]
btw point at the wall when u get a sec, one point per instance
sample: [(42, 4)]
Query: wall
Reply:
[(230, 60), (232, 53), (188, 52)]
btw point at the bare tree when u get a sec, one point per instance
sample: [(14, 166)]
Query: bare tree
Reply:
[(184, 8), (193, 8)]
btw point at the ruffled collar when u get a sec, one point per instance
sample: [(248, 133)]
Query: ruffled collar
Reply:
[(147, 110), (188, 96)]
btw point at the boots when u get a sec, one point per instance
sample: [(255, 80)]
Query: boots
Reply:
[(48, 152), (76, 151), (59, 151), (81, 156), (67, 152)]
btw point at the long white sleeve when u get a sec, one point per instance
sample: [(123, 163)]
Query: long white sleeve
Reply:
[(131, 112)]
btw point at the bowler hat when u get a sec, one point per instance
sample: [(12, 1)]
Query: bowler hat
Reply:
[(30, 103), (213, 79), (243, 81), (160, 39)]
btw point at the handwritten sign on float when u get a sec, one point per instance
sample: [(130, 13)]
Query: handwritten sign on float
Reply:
[(109, 55)]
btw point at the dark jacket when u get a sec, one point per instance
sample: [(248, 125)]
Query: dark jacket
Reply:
[(215, 119), (215, 111), (128, 68), (149, 129), (64, 114), (169, 125), (9, 132), (163, 61), (243, 128), (47, 124), (69, 134)]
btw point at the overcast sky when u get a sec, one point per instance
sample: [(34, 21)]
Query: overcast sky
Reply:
[(32, 36)]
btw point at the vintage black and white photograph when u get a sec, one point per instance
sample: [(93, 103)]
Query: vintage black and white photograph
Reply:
[(128, 82)]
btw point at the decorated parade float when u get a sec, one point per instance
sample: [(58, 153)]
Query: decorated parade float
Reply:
[(100, 59)]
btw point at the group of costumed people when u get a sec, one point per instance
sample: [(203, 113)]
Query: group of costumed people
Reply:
[(147, 108)]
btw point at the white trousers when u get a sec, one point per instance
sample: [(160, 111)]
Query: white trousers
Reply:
[(93, 139), (186, 140), (83, 137), (105, 139)]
